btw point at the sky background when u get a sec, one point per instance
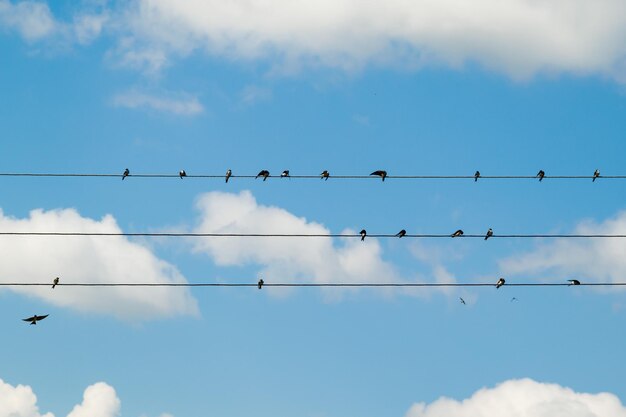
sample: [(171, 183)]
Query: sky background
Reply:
[(414, 88)]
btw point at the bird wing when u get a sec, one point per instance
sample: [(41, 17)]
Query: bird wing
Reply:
[(30, 318), (40, 317)]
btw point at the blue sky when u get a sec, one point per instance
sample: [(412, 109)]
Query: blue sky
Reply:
[(415, 88)]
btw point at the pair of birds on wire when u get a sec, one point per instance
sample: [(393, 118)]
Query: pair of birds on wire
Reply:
[(502, 281), (460, 233), (181, 173), (35, 318)]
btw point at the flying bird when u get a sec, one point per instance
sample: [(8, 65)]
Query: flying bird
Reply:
[(264, 173), (476, 176), (55, 282), (325, 175), (540, 175), (125, 174), (363, 233), (382, 174), (500, 283), (260, 283), (573, 282), (228, 174), (489, 233), (401, 233), (596, 174), (457, 233), (182, 174), (462, 300), (285, 174), (34, 319)]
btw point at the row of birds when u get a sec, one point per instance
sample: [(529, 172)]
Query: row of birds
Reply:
[(402, 233), (325, 174)]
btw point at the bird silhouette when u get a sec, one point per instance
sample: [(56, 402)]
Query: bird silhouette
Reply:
[(182, 174), (363, 233), (228, 174), (285, 174), (401, 233), (125, 174), (263, 173), (55, 282), (596, 174), (540, 175), (457, 233), (573, 282), (500, 283), (489, 233), (462, 300), (325, 175), (382, 174), (260, 283), (476, 176), (34, 319)]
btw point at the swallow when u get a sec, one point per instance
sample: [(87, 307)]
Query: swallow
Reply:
[(55, 282), (573, 282), (457, 233), (363, 233), (476, 176), (500, 283), (285, 174), (228, 174), (325, 175), (125, 174), (182, 174), (596, 174), (264, 173), (489, 233), (260, 283), (540, 175), (381, 174), (462, 300), (34, 319), (401, 233)]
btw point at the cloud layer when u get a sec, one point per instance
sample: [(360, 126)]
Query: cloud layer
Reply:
[(112, 259), (183, 104)]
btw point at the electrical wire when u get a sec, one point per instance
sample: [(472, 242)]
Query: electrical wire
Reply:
[(294, 284)]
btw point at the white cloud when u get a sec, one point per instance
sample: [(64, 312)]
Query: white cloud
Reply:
[(99, 400), (182, 104), (252, 94), (32, 20), (18, 401), (594, 260), (90, 259), (87, 27), (524, 397)]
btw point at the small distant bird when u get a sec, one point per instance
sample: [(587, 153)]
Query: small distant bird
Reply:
[(514, 299), (264, 173), (540, 175), (489, 233), (462, 300), (500, 283), (182, 174), (573, 282), (125, 174), (476, 176), (228, 174), (380, 173), (596, 174), (55, 282), (457, 233), (363, 234), (325, 175), (34, 319), (285, 174), (260, 283), (401, 233)]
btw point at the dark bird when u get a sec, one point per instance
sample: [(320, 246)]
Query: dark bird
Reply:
[(476, 176), (125, 174), (500, 283), (540, 175), (182, 174), (55, 282), (596, 174), (264, 173), (285, 174), (401, 233), (325, 175), (489, 234), (457, 233), (573, 282), (462, 300), (228, 174), (363, 234), (260, 283), (380, 173), (34, 319)]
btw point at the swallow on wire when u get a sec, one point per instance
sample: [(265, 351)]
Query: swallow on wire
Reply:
[(325, 175), (363, 233), (489, 233), (182, 174), (462, 300), (500, 283), (55, 282), (125, 174), (382, 174), (285, 174), (457, 233), (263, 173), (228, 174), (573, 282), (476, 176), (34, 319), (540, 175), (596, 174), (260, 283), (401, 233)]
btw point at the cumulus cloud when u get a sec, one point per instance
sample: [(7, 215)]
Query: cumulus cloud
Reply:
[(112, 259), (99, 400), (595, 260), (32, 20), (182, 104), (18, 401), (524, 397)]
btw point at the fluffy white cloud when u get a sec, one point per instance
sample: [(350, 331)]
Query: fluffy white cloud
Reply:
[(182, 105), (595, 260), (89, 259), (32, 20), (18, 401), (524, 397), (99, 400)]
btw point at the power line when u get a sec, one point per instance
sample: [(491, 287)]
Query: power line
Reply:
[(294, 284)]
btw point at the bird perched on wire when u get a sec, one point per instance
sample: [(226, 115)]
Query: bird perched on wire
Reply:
[(260, 283), (596, 174), (573, 282), (263, 173), (34, 319), (55, 282), (476, 176), (182, 174), (228, 174), (363, 233), (500, 283), (285, 174), (401, 233), (125, 174), (457, 233), (325, 175), (382, 174), (540, 175), (462, 300), (489, 233)]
